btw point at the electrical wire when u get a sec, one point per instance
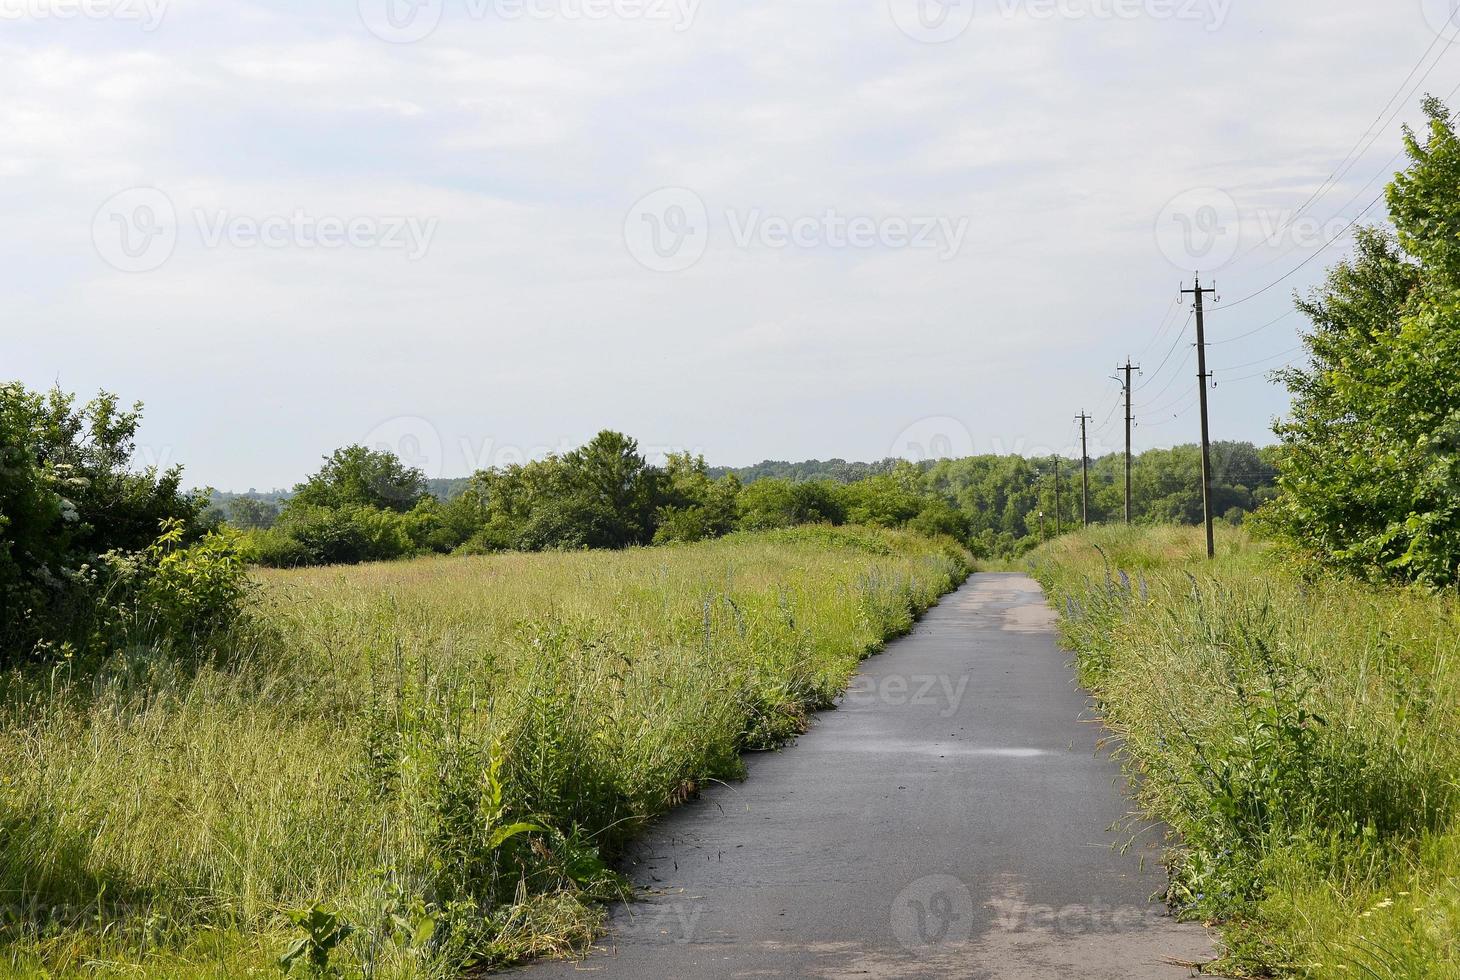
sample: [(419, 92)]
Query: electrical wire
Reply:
[(1261, 360), (1296, 269), (1336, 238), (1259, 374), (1255, 330), (1174, 344), (1174, 378), (1166, 322), (1350, 159)]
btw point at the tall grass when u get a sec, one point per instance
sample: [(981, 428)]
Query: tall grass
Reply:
[(1302, 736), (424, 766)]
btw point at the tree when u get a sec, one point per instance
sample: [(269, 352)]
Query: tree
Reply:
[(776, 503), (251, 513), (612, 491), (691, 506), (1370, 456), (360, 477), (887, 500), (69, 498)]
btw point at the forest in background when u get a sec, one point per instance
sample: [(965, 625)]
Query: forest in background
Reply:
[(365, 505)]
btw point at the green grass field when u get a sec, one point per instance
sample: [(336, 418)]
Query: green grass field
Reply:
[(1302, 734), (433, 757)]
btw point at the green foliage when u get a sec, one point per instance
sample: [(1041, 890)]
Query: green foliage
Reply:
[(887, 500), (1371, 453), (606, 495), (693, 507), (324, 930), (69, 497), (1296, 733), (360, 477), (774, 503), (251, 513)]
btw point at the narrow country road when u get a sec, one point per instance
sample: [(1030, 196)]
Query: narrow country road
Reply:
[(952, 818)]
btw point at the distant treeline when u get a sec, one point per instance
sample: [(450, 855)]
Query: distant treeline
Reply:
[(365, 505)]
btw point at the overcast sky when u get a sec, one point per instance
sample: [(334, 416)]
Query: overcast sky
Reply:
[(474, 230)]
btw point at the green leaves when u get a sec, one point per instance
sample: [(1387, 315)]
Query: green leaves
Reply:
[(1371, 455), (324, 930)]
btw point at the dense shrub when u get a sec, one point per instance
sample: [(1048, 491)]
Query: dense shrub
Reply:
[(74, 514), (1371, 453)]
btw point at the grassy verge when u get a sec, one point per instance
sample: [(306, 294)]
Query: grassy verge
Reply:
[(1302, 737), (422, 766)]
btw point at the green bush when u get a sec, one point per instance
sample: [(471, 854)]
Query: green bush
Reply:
[(68, 497), (1370, 456)]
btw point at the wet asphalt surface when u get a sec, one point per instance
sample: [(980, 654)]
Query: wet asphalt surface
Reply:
[(954, 817)]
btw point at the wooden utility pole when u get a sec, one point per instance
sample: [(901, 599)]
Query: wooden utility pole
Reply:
[(1084, 421), (1058, 527), (1201, 382), (1129, 421)]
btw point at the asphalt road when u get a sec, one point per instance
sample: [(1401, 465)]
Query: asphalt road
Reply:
[(952, 818)]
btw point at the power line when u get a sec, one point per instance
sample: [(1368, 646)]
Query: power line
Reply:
[(1181, 414), (1166, 322), (1157, 373), (1261, 360), (1386, 171), (1259, 374), (1255, 330), (1350, 159), (1174, 378), (1294, 271)]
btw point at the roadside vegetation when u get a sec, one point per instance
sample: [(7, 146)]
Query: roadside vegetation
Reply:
[(1298, 732), (1292, 709), (415, 768)]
